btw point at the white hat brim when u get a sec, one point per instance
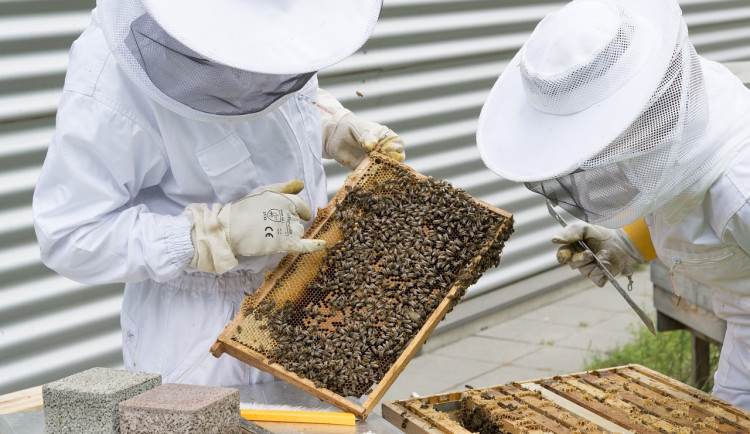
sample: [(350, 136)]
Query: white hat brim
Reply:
[(269, 36), (522, 144)]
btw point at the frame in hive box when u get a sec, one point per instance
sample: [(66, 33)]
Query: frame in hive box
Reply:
[(341, 324), (629, 398)]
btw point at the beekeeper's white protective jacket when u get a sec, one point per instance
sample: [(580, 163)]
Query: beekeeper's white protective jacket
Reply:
[(712, 245), (119, 172)]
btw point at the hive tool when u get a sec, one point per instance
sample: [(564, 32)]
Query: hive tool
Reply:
[(641, 314)]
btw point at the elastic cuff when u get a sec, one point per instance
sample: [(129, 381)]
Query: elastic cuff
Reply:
[(213, 254), (640, 235), (179, 245)]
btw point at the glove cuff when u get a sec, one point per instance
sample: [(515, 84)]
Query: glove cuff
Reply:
[(628, 247), (213, 252), (330, 108), (331, 112)]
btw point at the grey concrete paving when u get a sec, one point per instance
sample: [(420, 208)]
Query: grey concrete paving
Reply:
[(556, 338)]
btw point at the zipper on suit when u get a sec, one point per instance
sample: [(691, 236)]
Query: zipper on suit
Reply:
[(200, 360), (314, 103), (306, 99)]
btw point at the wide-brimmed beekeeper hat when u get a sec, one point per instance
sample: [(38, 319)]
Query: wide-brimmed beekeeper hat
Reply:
[(225, 60), (267, 36), (585, 74)]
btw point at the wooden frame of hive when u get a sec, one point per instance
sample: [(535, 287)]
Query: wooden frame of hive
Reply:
[(226, 344), (579, 402)]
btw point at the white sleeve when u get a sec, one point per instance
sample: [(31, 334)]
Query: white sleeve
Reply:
[(85, 222)]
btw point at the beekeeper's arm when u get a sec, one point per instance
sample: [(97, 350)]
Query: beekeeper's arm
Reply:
[(86, 224), (618, 249), (87, 228), (347, 138)]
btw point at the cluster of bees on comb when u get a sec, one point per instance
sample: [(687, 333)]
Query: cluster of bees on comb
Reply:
[(405, 243)]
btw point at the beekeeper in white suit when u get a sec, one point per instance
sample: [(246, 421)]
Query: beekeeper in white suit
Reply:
[(608, 111), (186, 132)]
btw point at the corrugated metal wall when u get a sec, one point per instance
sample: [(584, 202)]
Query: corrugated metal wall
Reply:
[(49, 326), (425, 72)]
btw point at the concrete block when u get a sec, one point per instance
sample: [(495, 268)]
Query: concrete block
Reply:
[(86, 402), (182, 408)]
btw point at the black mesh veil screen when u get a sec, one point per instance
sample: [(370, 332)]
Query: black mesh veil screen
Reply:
[(206, 86)]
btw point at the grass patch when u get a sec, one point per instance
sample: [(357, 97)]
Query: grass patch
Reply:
[(668, 353)]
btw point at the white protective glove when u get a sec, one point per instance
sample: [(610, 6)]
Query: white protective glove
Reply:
[(612, 246), (265, 222), (347, 138)]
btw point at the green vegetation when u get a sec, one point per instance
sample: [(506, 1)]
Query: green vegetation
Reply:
[(667, 352)]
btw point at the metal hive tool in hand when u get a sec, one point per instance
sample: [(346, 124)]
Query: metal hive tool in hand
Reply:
[(401, 250)]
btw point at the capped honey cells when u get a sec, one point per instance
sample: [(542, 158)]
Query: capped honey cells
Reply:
[(629, 398), (402, 244)]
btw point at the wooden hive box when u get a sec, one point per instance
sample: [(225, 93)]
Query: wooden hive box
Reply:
[(401, 249), (624, 399)]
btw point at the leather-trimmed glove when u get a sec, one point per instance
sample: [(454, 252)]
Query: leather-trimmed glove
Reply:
[(347, 138), (265, 222), (612, 246)]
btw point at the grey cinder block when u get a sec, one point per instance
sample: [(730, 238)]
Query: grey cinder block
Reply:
[(86, 402), (182, 408)]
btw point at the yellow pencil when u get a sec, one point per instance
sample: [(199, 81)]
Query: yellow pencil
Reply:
[(328, 417)]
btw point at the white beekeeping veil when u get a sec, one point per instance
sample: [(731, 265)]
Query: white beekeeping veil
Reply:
[(608, 111), (211, 59)]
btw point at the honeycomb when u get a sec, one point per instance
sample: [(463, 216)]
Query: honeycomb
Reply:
[(397, 244), (630, 398), (492, 412)]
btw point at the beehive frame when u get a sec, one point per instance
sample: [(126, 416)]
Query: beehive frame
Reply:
[(226, 342), (623, 399)]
